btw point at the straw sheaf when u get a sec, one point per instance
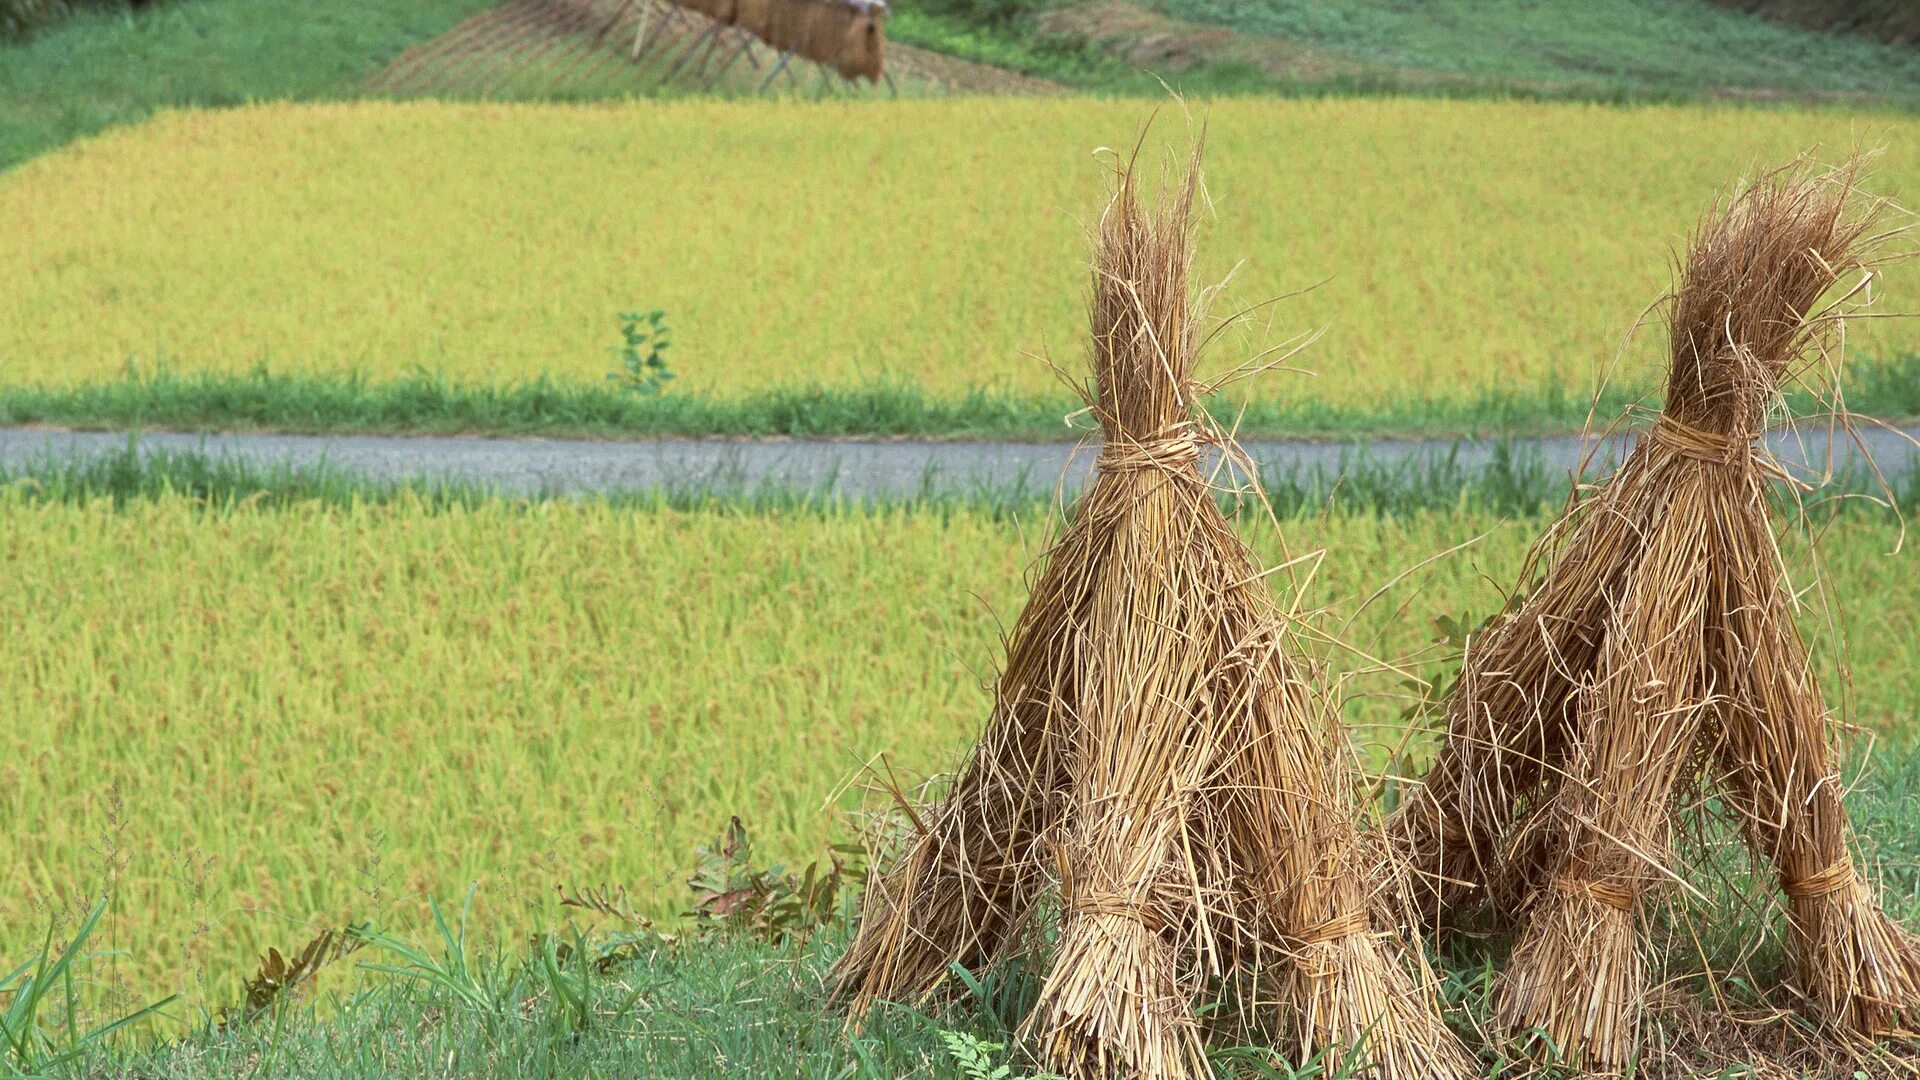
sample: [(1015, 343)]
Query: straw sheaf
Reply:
[(724, 12), (787, 23), (1748, 308), (849, 37), (825, 31), (1157, 766), (1661, 640), (755, 17), (863, 47)]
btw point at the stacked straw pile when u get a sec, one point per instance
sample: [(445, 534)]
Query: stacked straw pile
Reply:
[(1661, 647), (1157, 769), (848, 36)]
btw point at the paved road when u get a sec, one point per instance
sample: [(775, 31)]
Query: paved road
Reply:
[(857, 468)]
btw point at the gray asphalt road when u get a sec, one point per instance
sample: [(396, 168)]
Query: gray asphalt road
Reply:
[(857, 468)]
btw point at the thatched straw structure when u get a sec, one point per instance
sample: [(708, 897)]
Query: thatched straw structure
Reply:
[(1660, 644), (1158, 770), (825, 30), (755, 17), (863, 42), (787, 23), (724, 12), (848, 36)]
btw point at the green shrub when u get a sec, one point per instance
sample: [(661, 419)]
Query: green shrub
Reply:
[(1896, 22), (18, 18), (998, 13)]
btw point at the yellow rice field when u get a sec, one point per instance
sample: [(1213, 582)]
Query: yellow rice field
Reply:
[(249, 723), (1458, 246)]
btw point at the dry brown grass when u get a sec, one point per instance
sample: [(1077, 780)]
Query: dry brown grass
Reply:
[(1660, 648), (1159, 768)]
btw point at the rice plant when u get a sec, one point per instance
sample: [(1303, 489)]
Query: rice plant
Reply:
[(1475, 265)]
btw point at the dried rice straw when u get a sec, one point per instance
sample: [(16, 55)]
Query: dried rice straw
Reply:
[(1156, 763), (1662, 638)]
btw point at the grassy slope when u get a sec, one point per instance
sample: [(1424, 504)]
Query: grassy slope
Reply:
[(104, 67), (1685, 46), (751, 1009), (745, 1009), (1887, 20), (1079, 63)]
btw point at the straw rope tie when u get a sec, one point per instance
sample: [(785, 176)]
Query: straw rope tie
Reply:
[(1172, 448), (1689, 441), (1837, 877), (1115, 905), (1352, 924), (1617, 897)]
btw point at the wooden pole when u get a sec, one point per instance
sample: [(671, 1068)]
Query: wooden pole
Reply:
[(777, 69)]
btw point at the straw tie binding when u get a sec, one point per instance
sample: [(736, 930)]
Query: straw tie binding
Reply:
[(1116, 905), (1617, 897), (1836, 877), (1352, 924), (1689, 441), (1171, 448)]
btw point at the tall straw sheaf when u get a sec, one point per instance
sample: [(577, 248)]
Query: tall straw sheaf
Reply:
[(1660, 647), (1159, 771)]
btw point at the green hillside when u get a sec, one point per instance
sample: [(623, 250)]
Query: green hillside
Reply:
[(1679, 46), (103, 66), (1896, 22)]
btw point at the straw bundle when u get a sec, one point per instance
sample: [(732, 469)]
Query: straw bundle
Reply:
[(824, 30), (724, 12), (846, 35), (1661, 640), (1155, 764), (755, 17), (788, 24), (863, 44)]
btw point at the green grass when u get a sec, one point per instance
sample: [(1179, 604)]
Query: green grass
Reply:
[(104, 67), (1081, 65), (1684, 46), (427, 404), (1614, 50), (1364, 56), (746, 1008), (1887, 20), (591, 997)]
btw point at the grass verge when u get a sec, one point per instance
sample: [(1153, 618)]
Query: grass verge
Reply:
[(427, 404), (603, 994), (107, 66), (1606, 45)]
